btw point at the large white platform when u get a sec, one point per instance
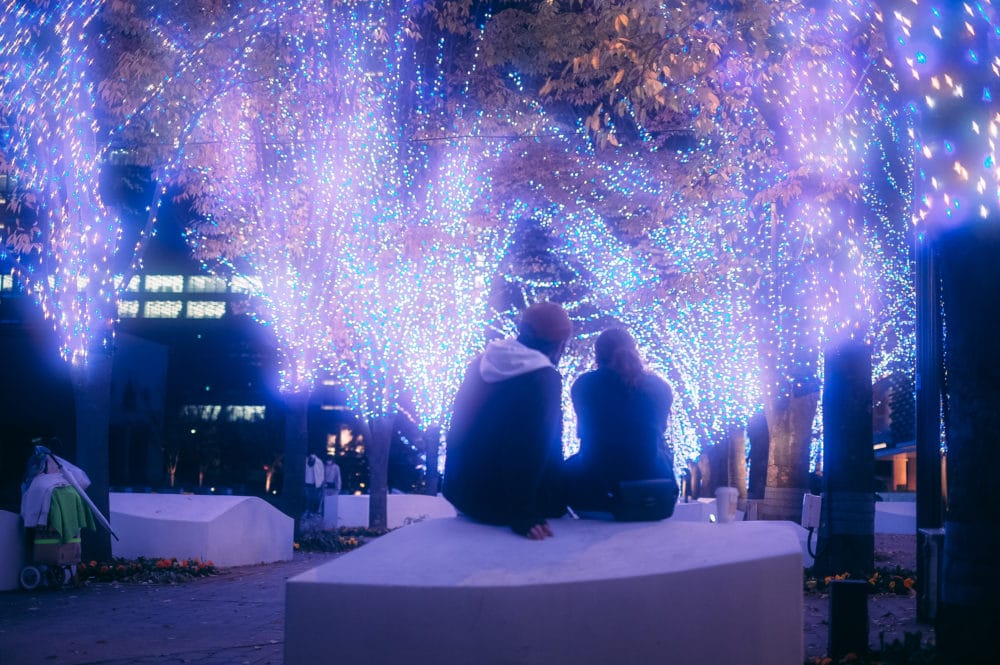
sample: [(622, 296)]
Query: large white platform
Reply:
[(11, 549), (453, 592), (226, 530)]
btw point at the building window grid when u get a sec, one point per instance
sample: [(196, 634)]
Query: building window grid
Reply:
[(164, 283), (205, 309), (162, 309), (231, 413), (206, 284), (128, 309)]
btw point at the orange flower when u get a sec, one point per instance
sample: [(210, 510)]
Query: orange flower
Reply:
[(908, 583)]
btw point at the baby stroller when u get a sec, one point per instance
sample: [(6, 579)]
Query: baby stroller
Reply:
[(55, 508)]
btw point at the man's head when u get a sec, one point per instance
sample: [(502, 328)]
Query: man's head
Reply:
[(545, 327)]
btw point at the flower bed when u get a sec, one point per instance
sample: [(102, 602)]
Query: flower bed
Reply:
[(343, 539), (911, 650), (143, 570), (898, 581)]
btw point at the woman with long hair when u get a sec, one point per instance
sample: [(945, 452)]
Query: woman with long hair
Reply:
[(621, 410)]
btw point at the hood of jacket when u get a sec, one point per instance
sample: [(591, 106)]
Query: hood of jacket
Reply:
[(506, 358)]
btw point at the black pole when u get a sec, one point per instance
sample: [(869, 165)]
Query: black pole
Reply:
[(968, 613), (847, 529), (928, 420)]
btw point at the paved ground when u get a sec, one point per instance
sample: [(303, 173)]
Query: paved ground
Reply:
[(237, 618), (889, 616)]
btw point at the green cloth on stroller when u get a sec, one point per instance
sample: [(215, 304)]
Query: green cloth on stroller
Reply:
[(68, 514)]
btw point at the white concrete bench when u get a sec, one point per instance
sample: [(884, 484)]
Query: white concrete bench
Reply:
[(896, 517), (352, 509), (453, 592), (226, 530), (11, 549)]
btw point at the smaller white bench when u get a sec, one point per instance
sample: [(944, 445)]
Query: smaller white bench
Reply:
[(352, 509), (226, 530), (452, 592), (11, 550), (896, 517)]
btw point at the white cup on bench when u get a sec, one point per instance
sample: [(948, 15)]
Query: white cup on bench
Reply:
[(725, 504)]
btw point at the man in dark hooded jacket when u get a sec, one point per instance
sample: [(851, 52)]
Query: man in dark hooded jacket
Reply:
[(505, 442)]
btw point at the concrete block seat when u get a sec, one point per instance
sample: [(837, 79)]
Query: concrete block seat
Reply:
[(401, 509), (226, 530), (450, 591), (896, 517), (11, 549)]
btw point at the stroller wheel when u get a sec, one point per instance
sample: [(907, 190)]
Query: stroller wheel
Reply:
[(30, 578), (55, 576)]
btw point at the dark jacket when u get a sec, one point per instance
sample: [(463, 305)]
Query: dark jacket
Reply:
[(621, 428), (505, 441)]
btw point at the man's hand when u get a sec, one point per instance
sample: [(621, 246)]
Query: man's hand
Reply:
[(539, 532)]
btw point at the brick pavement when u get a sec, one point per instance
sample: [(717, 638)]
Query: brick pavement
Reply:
[(235, 617)]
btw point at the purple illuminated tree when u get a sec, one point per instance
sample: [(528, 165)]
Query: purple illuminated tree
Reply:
[(80, 81), (366, 250), (724, 148), (66, 236), (948, 56)]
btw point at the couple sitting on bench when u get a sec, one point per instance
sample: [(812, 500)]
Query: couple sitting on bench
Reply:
[(504, 463)]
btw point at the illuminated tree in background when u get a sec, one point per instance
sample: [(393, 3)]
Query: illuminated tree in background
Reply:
[(67, 236), (614, 211), (742, 138), (948, 56), (79, 79), (365, 246), (729, 178)]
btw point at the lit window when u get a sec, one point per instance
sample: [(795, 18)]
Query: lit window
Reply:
[(164, 283), (206, 412), (205, 309), (245, 413), (128, 309), (243, 284), (133, 282), (206, 284), (162, 309)]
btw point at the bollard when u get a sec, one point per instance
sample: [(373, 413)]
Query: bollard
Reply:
[(848, 618)]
